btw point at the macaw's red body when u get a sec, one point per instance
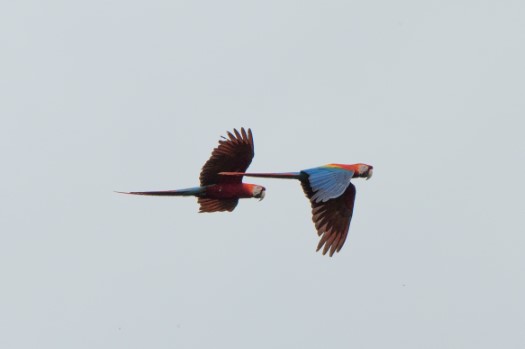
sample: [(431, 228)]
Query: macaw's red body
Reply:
[(230, 191), (221, 193), (331, 196)]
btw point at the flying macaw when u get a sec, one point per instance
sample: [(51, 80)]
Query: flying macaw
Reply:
[(331, 195), (221, 193)]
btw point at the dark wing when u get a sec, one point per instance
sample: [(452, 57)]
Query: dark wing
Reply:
[(234, 154), (331, 218), (215, 205)]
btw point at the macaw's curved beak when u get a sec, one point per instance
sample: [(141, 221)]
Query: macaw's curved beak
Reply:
[(263, 193), (369, 174)]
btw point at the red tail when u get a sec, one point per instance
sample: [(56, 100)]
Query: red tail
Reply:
[(182, 192), (285, 175)]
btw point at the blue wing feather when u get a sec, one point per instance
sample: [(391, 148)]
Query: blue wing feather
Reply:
[(328, 182)]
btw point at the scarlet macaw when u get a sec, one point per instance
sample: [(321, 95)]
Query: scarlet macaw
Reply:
[(331, 195), (221, 193)]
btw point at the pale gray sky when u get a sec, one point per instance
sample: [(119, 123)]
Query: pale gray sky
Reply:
[(133, 95)]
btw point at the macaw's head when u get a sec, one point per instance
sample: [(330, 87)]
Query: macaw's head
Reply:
[(258, 192), (364, 171)]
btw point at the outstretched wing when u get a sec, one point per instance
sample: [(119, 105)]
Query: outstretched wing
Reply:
[(328, 182), (234, 154), (216, 205), (332, 217)]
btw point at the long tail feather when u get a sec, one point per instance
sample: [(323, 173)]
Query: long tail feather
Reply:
[(182, 192), (285, 175)]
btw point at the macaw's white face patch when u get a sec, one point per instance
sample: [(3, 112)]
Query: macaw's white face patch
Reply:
[(259, 192)]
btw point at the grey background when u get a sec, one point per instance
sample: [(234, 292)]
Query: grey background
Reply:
[(133, 95)]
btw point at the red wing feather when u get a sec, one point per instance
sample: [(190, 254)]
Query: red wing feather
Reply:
[(332, 218), (234, 154), (215, 205)]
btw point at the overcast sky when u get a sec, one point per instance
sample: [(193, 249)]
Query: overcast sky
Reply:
[(99, 96)]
